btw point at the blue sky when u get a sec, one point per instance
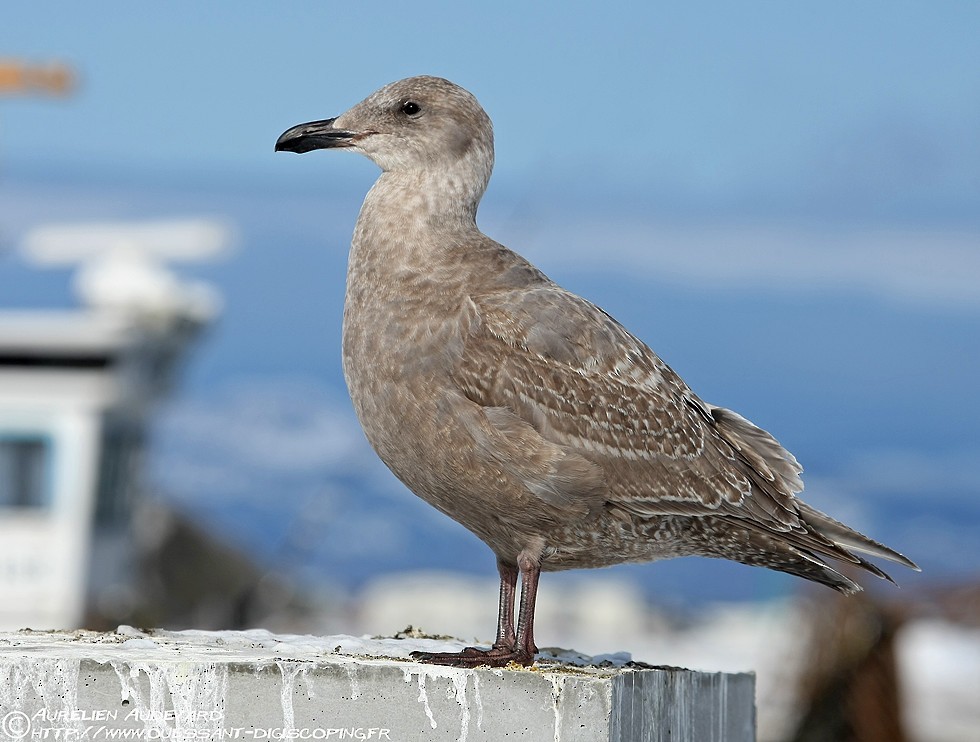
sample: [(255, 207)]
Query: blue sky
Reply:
[(783, 199), (866, 108)]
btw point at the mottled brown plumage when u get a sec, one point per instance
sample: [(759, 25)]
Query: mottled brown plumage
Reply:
[(524, 412)]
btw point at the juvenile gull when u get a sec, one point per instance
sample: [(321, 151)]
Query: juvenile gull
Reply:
[(525, 412)]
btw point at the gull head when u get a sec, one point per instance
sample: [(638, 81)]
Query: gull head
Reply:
[(417, 124)]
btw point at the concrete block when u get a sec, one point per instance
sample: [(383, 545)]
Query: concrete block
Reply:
[(254, 685)]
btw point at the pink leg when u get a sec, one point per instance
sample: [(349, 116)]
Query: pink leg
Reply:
[(505, 607), (509, 647)]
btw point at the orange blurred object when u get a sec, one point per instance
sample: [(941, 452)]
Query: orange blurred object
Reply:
[(52, 78)]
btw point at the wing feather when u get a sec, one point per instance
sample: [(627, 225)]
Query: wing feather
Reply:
[(584, 383)]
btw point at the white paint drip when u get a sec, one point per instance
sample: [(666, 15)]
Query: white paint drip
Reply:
[(195, 688), (289, 671), (310, 692), (424, 699), (355, 686), (459, 682), (557, 685), (182, 697), (457, 690), (54, 682), (478, 700)]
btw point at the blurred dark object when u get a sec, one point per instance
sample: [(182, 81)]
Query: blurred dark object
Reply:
[(849, 688), (185, 578), (958, 603)]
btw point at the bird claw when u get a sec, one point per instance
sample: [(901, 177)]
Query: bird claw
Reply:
[(474, 657)]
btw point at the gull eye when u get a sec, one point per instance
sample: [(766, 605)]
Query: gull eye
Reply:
[(410, 108)]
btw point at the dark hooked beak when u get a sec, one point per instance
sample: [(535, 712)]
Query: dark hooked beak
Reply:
[(313, 135)]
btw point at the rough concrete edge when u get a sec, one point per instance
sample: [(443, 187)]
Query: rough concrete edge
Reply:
[(55, 682), (675, 710)]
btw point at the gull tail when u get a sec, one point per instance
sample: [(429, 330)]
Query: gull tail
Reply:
[(800, 555), (848, 538), (802, 551), (815, 535)]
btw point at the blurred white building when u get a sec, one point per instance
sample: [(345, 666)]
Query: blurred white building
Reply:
[(76, 389)]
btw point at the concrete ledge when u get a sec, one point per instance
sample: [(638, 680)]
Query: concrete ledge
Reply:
[(255, 685)]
